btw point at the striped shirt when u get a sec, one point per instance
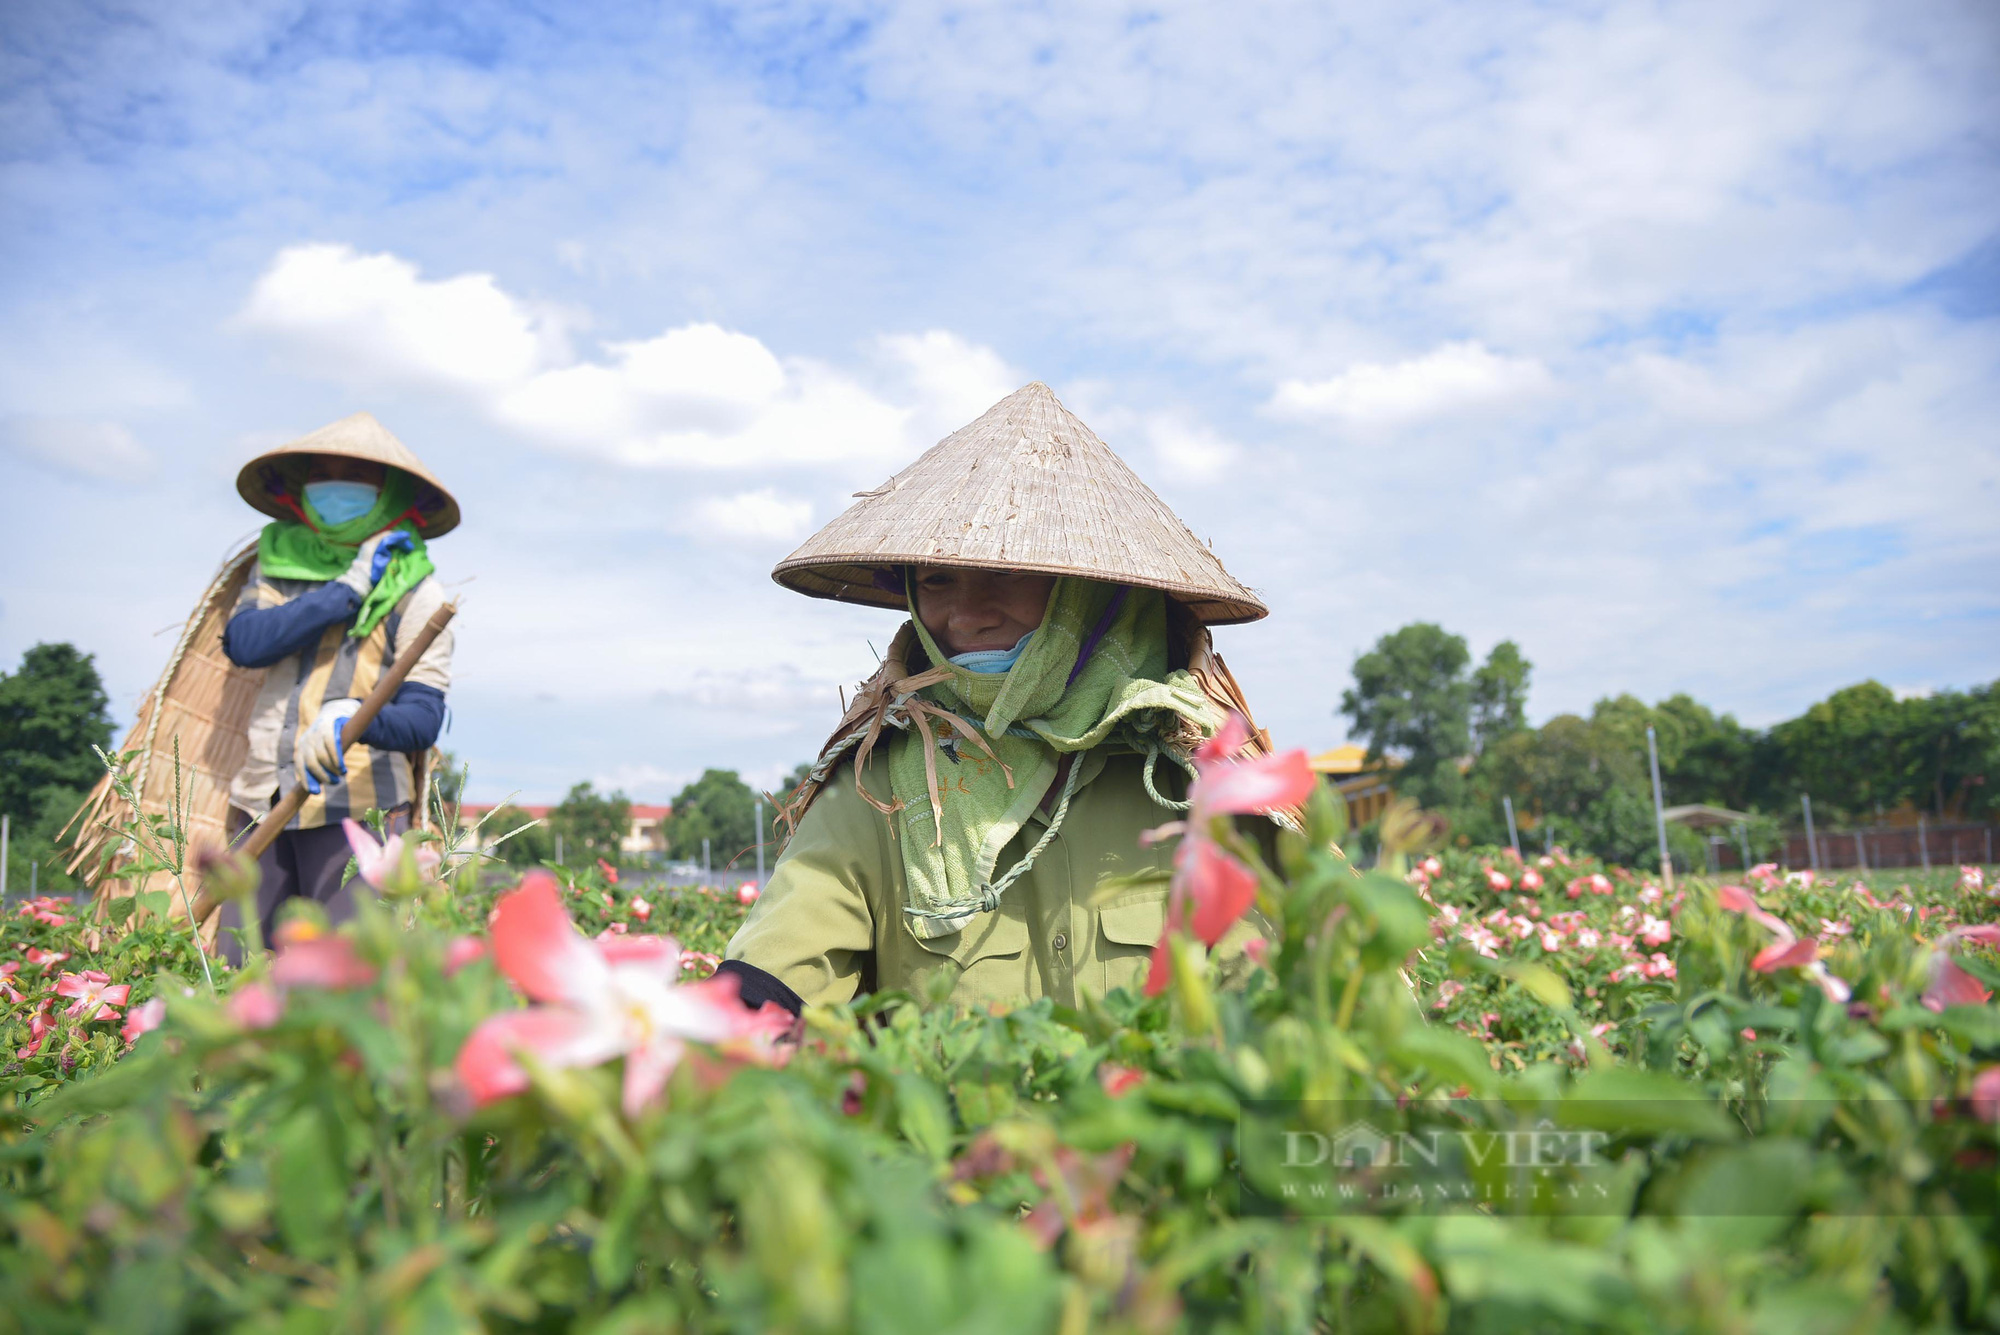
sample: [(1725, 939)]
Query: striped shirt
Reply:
[(337, 666)]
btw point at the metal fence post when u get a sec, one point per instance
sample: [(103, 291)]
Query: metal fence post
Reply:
[(1923, 841), (1513, 835), (1860, 853), (1659, 810), (1743, 837), (1812, 844), (5, 822)]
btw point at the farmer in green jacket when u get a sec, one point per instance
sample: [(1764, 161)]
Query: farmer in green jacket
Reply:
[(1029, 724)]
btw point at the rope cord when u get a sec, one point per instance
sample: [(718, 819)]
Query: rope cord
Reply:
[(1153, 752)]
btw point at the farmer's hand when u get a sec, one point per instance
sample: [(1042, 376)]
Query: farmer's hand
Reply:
[(320, 759), (372, 558)]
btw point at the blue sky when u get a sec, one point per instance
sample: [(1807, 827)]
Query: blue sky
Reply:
[(1661, 338)]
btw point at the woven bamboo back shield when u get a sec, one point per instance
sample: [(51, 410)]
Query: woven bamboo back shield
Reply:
[(1025, 487)]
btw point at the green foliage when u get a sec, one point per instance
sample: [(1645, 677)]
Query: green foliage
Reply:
[(1780, 1161), (591, 825), (1412, 700), (533, 846), (720, 808), (53, 711), (1500, 694)]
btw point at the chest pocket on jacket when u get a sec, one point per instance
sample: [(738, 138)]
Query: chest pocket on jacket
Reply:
[(1130, 930), (987, 962)]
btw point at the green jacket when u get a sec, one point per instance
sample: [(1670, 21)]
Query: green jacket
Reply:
[(830, 922)]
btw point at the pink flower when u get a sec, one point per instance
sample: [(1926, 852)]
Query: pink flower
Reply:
[(39, 1028), (94, 992), (1767, 872), (462, 951), (1600, 1030), (1949, 984), (1117, 1080), (1545, 862), (254, 1006), (1986, 1095), (1787, 951), (641, 909), (1971, 878), (1659, 966), (1551, 940), (1836, 930), (45, 959), (314, 959), (610, 872), (1221, 888), (1588, 939), (1785, 955), (1600, 884), (143, 1019), (376, 861), (1531, 879), (1258, 949), (1431, 867), (1497, 881), (1655, 931), (599, 1001), (1802, 879), (1649, 894), (747, 893)]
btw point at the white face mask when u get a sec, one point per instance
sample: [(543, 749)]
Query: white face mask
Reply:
[(342, 502), (993, 660)]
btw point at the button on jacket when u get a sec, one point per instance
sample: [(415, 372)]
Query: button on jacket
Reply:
[(830, 924)]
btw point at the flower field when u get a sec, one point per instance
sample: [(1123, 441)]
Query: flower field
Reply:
[(459, 1113)]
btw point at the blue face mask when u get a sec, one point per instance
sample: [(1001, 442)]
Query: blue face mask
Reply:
[(342, 502), (993, 660)]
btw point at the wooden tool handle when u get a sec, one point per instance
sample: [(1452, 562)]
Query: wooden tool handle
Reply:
[(386, 686)]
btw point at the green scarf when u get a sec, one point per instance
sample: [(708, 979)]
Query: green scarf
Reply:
[(289, 549), (1029, 716)]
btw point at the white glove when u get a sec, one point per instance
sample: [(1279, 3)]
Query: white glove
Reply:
[(319, 751), (361, 573)]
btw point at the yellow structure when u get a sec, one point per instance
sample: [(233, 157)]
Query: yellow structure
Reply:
[(1365, 786)]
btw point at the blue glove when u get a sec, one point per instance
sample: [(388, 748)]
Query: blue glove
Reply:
[(399, 541)]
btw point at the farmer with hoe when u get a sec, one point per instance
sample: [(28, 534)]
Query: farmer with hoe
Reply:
[(1032, 719), (342, 580)]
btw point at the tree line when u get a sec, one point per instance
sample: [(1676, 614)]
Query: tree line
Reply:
[(1456, 730), (718, 807), (1460, 740)]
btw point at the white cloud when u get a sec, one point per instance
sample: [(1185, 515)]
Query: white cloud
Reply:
[(1456, 378), (759, 517), (695, 397), (103, 450), (954, 380), (1189, 451), (374, 319)]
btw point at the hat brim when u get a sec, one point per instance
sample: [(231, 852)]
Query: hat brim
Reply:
[(854, 581)]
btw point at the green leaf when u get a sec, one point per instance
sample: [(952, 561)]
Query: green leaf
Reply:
[(1622, 1099), (1542, 983), (311, 1186), (922, 1116), (1445, 1053)]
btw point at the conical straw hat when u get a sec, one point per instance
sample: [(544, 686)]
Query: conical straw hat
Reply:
[(1026, 487), (356, 437)]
